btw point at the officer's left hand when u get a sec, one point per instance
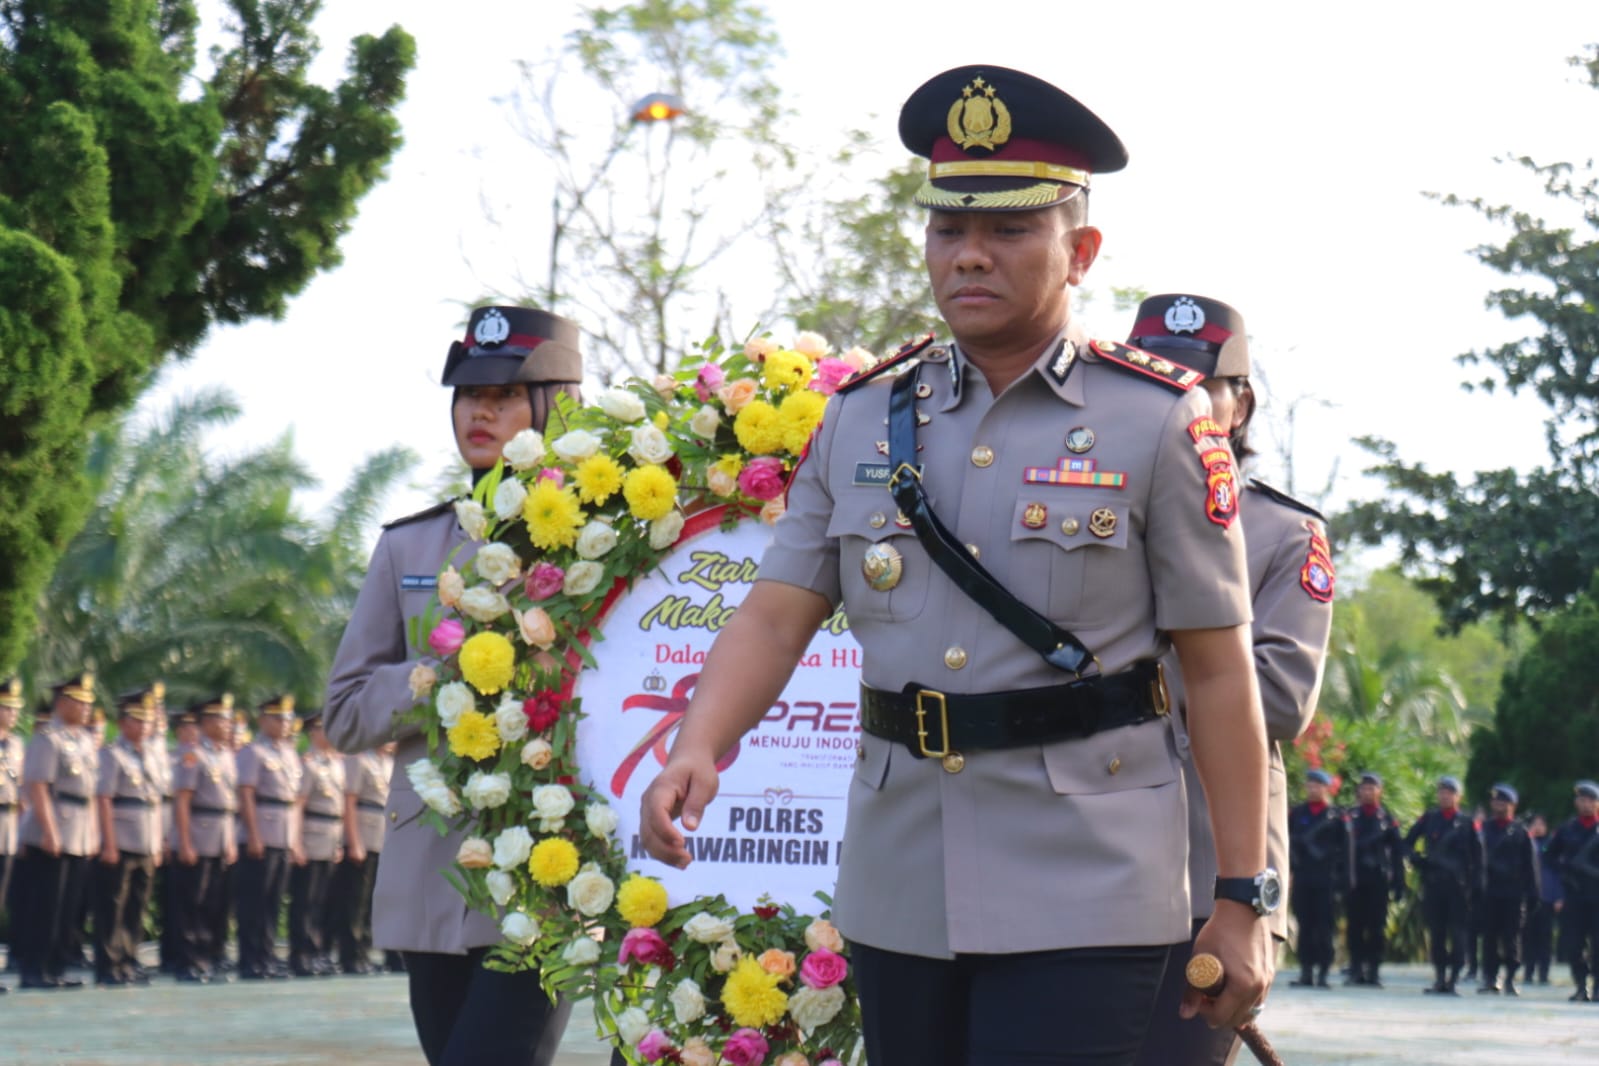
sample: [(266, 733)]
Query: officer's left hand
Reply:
[(108, 855), (1240, 939)]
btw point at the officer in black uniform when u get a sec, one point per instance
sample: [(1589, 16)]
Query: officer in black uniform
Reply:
[(1379, 872), (1574, 852), (1446, 846), (1512, 888), (1321, 865)]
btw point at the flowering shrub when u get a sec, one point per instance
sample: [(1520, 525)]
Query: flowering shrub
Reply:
[(582, 511)]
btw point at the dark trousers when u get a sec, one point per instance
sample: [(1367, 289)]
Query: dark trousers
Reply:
[(199, 907), (121, 894), (1071, 1007), (1579, 930), (258, 900), (49, 896), (1539, 941), (468, 1016), (1444, 906), (166, 883), (1171, 1041), (1313, 910), (308, 900), (1368, 926), (350, 910), (1504, 919), (7, 862)]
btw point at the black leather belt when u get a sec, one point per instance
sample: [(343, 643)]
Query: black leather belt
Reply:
[(272, 801), (6, 806), (318, 816), (195, 808), (368, 805), (932, 723), (70, 799), (130, 801)]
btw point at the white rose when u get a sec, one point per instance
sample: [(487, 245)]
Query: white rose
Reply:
[(633, 1025), (497, 564), (522, 451), (621, 405), (509, 721), (518, 928), (575, 446), (705, 421), (487, 791), (601, 819), (707, 928), (665, 530), (537, 753), (814, 1007), (508, 499), (725, 957), (688, 1002), (552, 803), (501, 887), (582, 578), (649, 445), (423, 773), (423, 678), (811, 344), (595, 540), (473, 520), (483, 604), (583, 951), (453, 700), (442, 799), (512, 847), (590, 892)]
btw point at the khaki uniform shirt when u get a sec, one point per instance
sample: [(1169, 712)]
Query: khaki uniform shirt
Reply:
[(413, 907), (11, 757), (322, 817), (366, 777), (211, 774), (273, 770), (135, 797), (1072, 844), (64, 759), (1290, 632), (158, 760)]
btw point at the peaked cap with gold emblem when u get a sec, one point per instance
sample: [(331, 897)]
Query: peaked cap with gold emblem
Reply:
[(219, 706), (282, 706), (141, 703), (79, 687), (997, 139), (1196, 331), (11, 694), (515, 345)]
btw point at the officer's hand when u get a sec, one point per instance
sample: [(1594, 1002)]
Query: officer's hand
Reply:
[(297, 856), (1239, 938), (158, 858), (187, 855), (230, 855), (681, 790), (254, 848), (108, 855), (356, 852), (49, 840)]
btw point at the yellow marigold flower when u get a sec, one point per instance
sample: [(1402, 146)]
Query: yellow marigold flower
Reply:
[(598, 478), (787, 370), (641, 901), (554, 862), (487, 662), (752, 997), (651, 492), (799, 415), (473, 736), (759, 428), (661, 421), (553, 516)]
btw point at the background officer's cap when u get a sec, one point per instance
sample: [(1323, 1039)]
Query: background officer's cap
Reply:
[(1320, 777), (182, 718), (1587, 788), (11, 694), (1450, 782), (140, 703), (1502, 791), (281, 705), (311, 718), (79, 687), (1369, 778), (999, 140), (1195, 331), (219, 706), (515, 345)]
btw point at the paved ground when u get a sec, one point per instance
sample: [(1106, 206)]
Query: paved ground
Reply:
[(347, 1021)]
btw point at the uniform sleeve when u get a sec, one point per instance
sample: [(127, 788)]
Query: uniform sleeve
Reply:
[(352, 775), (1197, 565), (1290, 636), (187, 776), (39, 761), (304, 790), (105, 778), (370, 679), (801, 553), (249, 767)]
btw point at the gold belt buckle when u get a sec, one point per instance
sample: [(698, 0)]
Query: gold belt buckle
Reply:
[(921, 723), (1160, 694)]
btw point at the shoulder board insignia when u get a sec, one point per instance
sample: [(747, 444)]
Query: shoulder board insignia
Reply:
[(1173, 375), (1283, 498), (906, 351), (436, 509)]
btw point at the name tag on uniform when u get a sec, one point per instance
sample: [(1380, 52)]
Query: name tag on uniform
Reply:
[(875, 474), (419, 582)]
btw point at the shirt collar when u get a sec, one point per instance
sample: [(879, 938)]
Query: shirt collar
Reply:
[(1054, 367)]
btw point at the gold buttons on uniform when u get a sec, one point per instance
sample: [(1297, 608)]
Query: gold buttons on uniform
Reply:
[(860, 751), (394, 816), (1114, 766), (982, 455), (1070, 527), (953, 763), (955, 657), (976, 554), (878, 520)]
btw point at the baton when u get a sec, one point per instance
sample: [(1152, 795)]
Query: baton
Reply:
[(1206, 975)]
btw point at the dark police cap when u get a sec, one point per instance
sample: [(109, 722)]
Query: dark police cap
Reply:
[(1450, 782), (1505, 792), (515, 345), (1369, 778), (1195, 331), (311, 718), (281, 705), (141, 703), (997, 139), (79, 687), (11, 694), (1587, 788), (1320, 777), (218, 706)]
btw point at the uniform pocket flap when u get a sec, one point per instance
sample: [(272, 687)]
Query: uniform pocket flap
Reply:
[(866, 514), (871, 765), (1071, 521), (1138, 756)]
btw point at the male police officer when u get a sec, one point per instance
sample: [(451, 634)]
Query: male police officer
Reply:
[(1446, 846), (269, 783), (1045, 521), (1512, 890), (1574, 852), (1379, 871), (1322, 866), (11, 758), (207, 801), (321, 807), (366, 794), (129, 801)]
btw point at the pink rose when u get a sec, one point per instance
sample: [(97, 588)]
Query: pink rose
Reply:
[(543, 581), (553, 473), (762, 479), (823, 968), (647, 946), (654, 1046), (830, 374), (829, 1062), (447, 637), (746, 1048), (709, 379)]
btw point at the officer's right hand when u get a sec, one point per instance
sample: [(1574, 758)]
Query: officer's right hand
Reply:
[(108, 855), (49, 840), (681, 790), (254, 848), (356, 852), (187, 855), (1239, 938)]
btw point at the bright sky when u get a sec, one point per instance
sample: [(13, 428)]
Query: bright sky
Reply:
[(1278, 157)]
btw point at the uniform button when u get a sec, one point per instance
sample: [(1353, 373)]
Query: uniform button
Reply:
[(878, 520), (860, 751), (976, 554), (955, 657), (394, 816), (982, 455), (954, 762), (1114, 766), (1070, 527)]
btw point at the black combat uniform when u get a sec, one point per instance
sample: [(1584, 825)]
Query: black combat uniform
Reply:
[(1451, 868), (1321, 863), (1512, 891), (1574, 852), (1379, 872)]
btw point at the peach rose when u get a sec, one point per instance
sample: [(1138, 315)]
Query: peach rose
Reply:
[(475, 854), (777, 961), (451, 585), (736, 394), (821, 936), (758, 348), (536, 627)]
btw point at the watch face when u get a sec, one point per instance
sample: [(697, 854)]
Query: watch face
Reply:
[(1271, 891)]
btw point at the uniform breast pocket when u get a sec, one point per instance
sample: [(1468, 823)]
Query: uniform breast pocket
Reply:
[(882, 570), (1070, 538)]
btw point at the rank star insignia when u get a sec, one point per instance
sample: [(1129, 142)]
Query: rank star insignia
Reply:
[(1102, 523), (1185, 316), (1079, 439), (979, 118), (491, 329)]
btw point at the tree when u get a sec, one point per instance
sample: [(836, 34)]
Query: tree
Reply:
[(135, 211)]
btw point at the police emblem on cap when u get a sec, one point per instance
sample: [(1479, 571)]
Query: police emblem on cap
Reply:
[(492, 328), (1185, 316), (979, 118)]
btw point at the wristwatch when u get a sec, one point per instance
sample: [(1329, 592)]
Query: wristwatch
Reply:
[(1264, 891)]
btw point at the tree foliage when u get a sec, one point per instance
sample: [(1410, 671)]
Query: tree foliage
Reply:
[(141, 202)]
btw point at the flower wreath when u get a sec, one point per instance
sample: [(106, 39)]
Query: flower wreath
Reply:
[(591, 509)]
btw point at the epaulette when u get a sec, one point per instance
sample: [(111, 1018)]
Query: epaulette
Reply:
[(1283, 498), (906, 351), (436, 509), (1172, 375)]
